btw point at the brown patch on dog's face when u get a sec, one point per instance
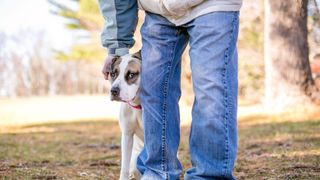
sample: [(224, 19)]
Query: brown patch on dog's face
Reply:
[(115, 69), (132, 72), (125, 78)]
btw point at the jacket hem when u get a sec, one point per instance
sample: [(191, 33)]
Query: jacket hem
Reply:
[(192, 14)]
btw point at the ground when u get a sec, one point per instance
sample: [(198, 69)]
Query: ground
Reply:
[(285, 146)]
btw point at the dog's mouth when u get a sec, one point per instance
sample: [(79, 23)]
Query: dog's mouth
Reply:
[(116, 98)]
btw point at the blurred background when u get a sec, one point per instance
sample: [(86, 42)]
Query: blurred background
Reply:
[(52, 48), (51, 59)]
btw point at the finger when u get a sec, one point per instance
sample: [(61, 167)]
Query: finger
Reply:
[(105, 70), (106, 76)]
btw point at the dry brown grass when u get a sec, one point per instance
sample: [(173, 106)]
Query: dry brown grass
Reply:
[(270, 147)]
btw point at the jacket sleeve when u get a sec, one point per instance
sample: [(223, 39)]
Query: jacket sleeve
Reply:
[(121, 17)]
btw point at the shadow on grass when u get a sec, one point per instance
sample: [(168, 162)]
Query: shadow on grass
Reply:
[(271, 150)]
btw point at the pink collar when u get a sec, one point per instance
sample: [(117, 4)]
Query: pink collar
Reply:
[(135, 106)]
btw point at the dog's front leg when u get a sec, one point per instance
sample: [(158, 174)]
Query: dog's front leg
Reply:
[(126, 151)]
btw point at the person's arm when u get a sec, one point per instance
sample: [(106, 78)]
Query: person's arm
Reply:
[(121, 18), (120, 23)]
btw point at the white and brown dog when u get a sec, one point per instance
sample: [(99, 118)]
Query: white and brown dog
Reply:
[(125, 83)]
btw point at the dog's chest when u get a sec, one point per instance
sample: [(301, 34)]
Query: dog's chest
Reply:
[(130, 118)]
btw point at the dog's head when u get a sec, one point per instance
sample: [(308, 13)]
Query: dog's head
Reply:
[(125, 77)]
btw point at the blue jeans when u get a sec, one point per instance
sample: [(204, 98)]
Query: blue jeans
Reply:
[(213, 137)]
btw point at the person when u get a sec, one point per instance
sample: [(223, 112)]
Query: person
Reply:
[(211, 29)]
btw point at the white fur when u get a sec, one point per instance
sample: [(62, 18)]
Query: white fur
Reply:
[(131, 141), (130, 123)]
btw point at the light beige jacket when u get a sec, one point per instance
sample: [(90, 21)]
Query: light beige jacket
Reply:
[(121, 17), (182, 11)]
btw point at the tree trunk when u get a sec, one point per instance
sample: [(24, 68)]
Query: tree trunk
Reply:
[(288, 75)]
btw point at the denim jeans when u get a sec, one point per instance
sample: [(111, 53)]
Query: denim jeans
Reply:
[(213, 137)]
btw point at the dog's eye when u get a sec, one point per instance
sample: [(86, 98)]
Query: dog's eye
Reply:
[(113, 74), (131, 75)]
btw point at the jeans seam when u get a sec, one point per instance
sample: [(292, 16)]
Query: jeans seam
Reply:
[(228, 111), (164, 124)]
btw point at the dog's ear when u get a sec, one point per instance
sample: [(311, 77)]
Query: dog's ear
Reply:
[(137, 55), (114, 59)]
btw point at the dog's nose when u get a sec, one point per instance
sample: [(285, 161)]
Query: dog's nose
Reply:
[(115, 91)]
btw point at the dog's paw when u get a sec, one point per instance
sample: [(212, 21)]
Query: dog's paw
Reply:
[(123, 178), (134, 176)]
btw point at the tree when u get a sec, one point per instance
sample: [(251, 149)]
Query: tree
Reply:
[(86, 17), (288, 79)]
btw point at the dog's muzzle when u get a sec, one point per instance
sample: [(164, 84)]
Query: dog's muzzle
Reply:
[(115, 91)]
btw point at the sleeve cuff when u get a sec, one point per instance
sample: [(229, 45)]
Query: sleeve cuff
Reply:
[(118, 51)]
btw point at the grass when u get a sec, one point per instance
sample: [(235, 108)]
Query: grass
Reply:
[(285, 146)]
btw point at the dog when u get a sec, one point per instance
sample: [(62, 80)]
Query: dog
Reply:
[(125, 87)]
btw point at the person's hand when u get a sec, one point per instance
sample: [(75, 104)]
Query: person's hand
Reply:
[(107, 66)]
